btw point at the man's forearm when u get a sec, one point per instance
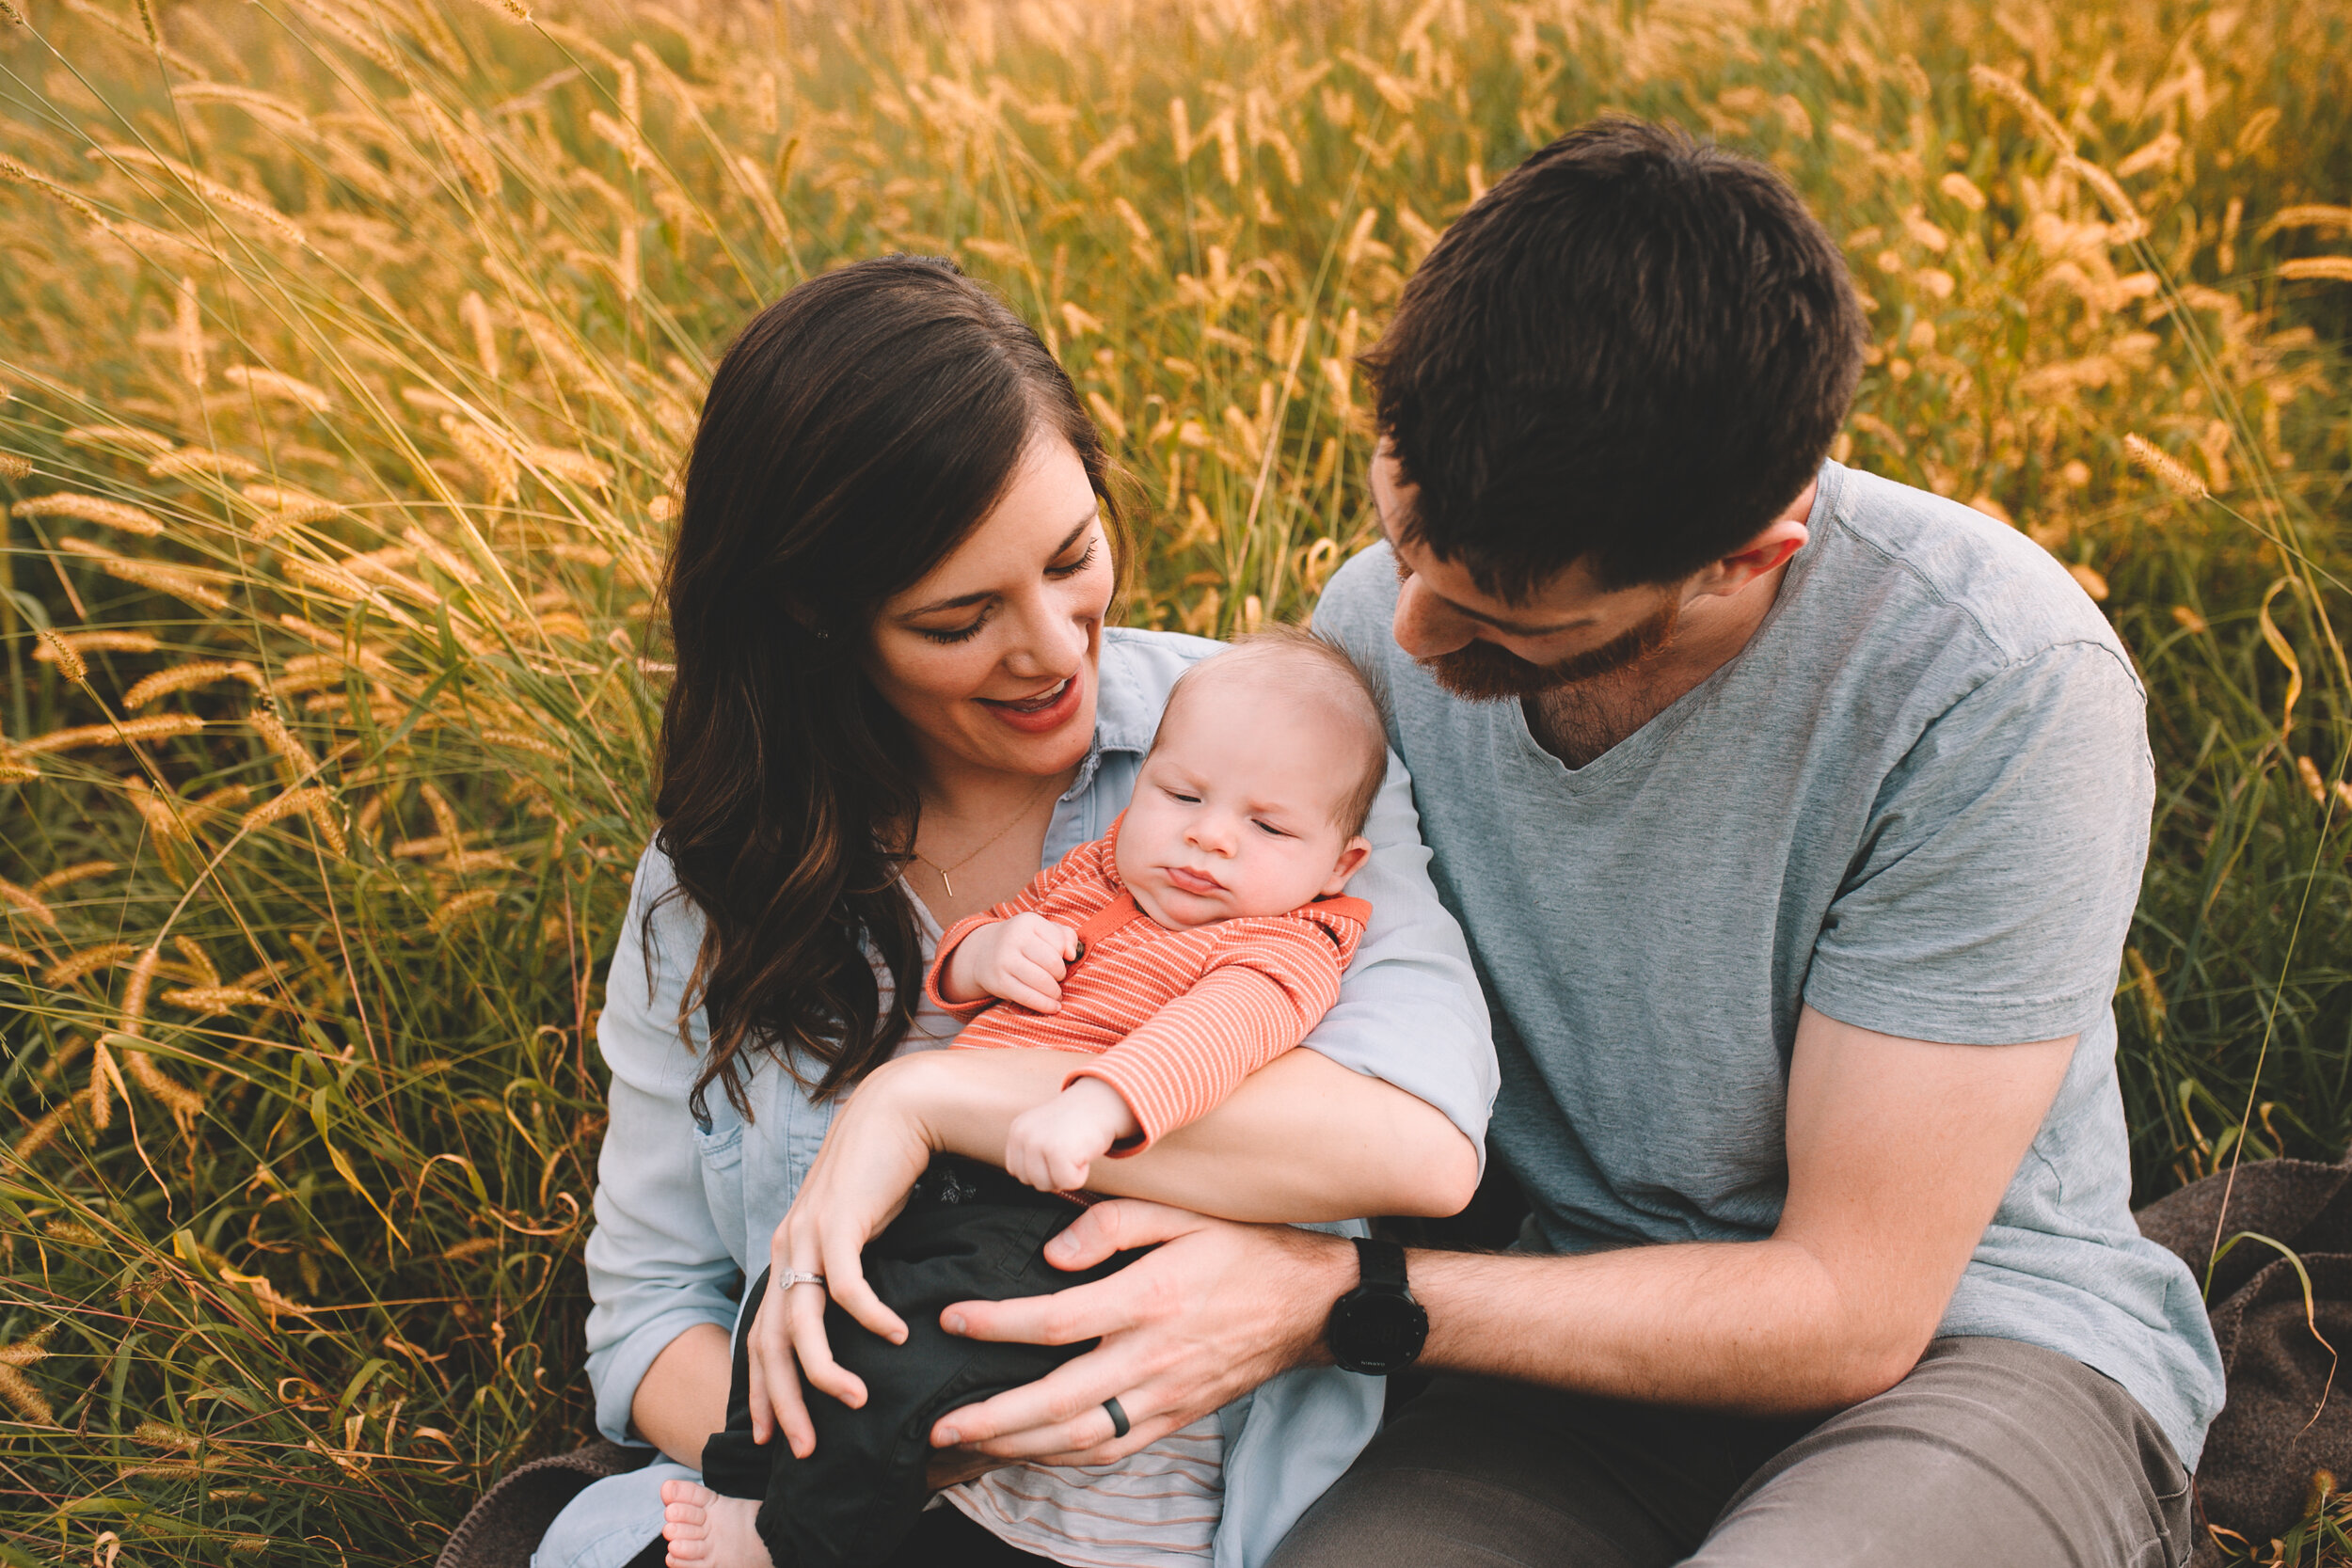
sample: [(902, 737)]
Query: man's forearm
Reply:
[(1754, 1327), (1301, 1139)]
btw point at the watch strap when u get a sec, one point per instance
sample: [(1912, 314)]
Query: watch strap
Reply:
[(1382, 1264)]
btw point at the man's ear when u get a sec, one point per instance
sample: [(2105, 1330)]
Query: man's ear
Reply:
[(1350, 861), (1766, 553)]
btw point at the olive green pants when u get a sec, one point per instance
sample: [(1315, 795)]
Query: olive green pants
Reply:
[(1991, 1454)]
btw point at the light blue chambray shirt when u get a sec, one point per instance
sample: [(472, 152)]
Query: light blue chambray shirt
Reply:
[(684, 1210)]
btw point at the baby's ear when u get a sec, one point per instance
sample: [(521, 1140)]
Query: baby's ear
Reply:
[(1351, 861)]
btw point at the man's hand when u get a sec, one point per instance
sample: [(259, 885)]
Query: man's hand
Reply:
[(1054, 1146), (1216, 1309), (1021, 960)]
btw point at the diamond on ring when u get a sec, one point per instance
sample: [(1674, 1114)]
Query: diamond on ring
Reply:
[(790, 1278)]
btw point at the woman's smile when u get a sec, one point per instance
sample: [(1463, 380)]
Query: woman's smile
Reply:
[(1043, 713)]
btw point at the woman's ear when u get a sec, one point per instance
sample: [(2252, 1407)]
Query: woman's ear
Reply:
[(1350, 861)]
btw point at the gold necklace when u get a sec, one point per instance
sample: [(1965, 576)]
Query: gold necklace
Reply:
[(1010, 823)]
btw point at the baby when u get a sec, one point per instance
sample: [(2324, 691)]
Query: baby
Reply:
[(1206, 927), (1202, 936)]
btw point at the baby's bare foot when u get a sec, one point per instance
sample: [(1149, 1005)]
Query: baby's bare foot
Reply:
[(707, 1531)]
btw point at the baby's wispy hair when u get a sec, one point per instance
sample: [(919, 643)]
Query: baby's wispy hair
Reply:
[(1318, 662)]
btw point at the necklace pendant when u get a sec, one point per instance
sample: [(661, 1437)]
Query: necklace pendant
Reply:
[(948, 885)]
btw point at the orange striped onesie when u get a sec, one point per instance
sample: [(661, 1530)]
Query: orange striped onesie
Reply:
[(1176, 1019)]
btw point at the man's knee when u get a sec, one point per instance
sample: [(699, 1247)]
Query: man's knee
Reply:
[(1991, 1451)]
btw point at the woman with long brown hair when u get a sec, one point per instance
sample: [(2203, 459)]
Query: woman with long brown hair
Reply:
[(895, 698)]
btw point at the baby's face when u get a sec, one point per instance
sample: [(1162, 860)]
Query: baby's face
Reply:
[(1235, 810)]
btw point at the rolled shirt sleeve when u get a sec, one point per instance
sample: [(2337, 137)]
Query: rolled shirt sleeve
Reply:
[(2002, 862), (1259, 996), (1410, 1011), (657, 1264)]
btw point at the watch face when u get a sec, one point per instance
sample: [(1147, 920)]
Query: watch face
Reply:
[(1378, 1331)]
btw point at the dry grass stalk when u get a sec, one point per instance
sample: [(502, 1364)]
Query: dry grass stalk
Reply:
[(209, 190), (274, 384), (2333, 268), (15, 1388), (568, 463), (163, 726), (185, 1103), (2013, 92), (290, 508), (92, 509), (105, 1083), (66, 876), (2308, 215), (309, 801), (76, 966), (476, 315), (210, 1001), (300, 764), (56, 650), (185, 677), (188, 335), (148, 574), (15, 466), (457, 908), (2129, 225), (25, 904), (10, 169), (164, 820), (134, 992), (55, 646), (2165, 466), (202, 460), (106, 435)]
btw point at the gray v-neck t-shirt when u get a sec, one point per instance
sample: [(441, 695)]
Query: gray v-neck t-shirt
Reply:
[(1917, 800)]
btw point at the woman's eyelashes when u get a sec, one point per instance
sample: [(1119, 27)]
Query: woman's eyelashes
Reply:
[(956, 634), (972, 628), (1075, 567)]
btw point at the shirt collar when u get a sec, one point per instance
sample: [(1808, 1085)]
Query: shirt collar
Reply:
[(1125, 715)]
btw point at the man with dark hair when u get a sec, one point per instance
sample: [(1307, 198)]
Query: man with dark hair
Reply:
[(1796, 818)]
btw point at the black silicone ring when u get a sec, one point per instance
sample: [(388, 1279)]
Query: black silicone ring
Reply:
[(1118, 1419)]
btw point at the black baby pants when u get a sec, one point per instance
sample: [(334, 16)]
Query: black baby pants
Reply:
[(969, 1232)]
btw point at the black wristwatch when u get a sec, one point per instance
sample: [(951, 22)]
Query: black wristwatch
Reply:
[(1377, 1327)]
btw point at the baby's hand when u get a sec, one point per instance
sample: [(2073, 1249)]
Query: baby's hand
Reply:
[(1053, 1147), (1021, 960)]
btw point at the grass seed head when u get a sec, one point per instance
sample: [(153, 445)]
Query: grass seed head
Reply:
[(162, 726), (63, 656), (2333, 268), (2013, 92), (107, 512), (273, 383), (2165, 466), (186, 677)]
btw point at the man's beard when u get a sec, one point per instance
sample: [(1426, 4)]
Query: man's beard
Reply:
[(1482, 673)]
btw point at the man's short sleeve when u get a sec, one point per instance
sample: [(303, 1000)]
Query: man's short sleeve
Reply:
[(1990, 899)]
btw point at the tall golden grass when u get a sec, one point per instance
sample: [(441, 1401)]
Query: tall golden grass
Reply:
[(348, 349)]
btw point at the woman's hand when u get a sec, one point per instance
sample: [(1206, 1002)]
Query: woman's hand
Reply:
[(1216, 1309), (874, 1154)]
